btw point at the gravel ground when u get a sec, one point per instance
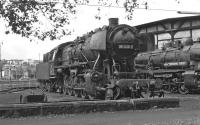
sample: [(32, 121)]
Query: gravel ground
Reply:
[(177, 116), (14, 97)]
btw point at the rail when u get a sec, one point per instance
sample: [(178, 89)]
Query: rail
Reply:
[(16, 81), (42, 109)]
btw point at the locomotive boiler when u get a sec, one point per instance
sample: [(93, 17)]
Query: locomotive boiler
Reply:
[(86, 66), (176, 66)]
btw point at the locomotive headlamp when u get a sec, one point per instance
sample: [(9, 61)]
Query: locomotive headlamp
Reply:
[(59, 70), (125, 31), (95, 76)]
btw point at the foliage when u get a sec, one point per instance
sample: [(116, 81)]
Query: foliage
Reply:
[(30, 19), (33, 19)]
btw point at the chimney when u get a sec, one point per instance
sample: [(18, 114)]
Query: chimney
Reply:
[(113, 22)]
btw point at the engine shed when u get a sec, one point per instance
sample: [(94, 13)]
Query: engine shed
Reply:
[(172, 29)]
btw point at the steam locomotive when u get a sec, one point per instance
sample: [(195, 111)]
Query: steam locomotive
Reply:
[(87, 66), (176, 66)]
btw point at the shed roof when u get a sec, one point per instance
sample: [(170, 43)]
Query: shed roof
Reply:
[(169, 20)]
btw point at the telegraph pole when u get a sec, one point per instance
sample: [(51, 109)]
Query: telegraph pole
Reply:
[(0, 50), (39, 57), (1, 63)]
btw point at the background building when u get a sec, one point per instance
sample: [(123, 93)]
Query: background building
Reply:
[(18, 69), (172, 29)]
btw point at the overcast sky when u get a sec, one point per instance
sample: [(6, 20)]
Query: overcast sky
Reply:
[(15, 47)]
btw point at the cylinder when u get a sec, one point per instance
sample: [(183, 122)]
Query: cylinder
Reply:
[(113, 22)]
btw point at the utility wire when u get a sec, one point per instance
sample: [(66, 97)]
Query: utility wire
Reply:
[(111, 6), (145, 8)]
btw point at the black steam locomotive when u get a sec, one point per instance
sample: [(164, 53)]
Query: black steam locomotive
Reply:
[(88, 66), (176, 66)]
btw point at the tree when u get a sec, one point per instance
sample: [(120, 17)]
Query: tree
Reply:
[(25, 17)]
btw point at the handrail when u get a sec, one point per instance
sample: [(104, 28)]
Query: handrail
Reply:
[(96, 61)]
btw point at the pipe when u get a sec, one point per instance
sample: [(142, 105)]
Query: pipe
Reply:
[(96, 61)]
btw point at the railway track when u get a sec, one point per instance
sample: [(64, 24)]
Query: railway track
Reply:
[(84, 106), (17, 85)]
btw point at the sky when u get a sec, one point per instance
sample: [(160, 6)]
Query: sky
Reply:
[(16, 47)]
